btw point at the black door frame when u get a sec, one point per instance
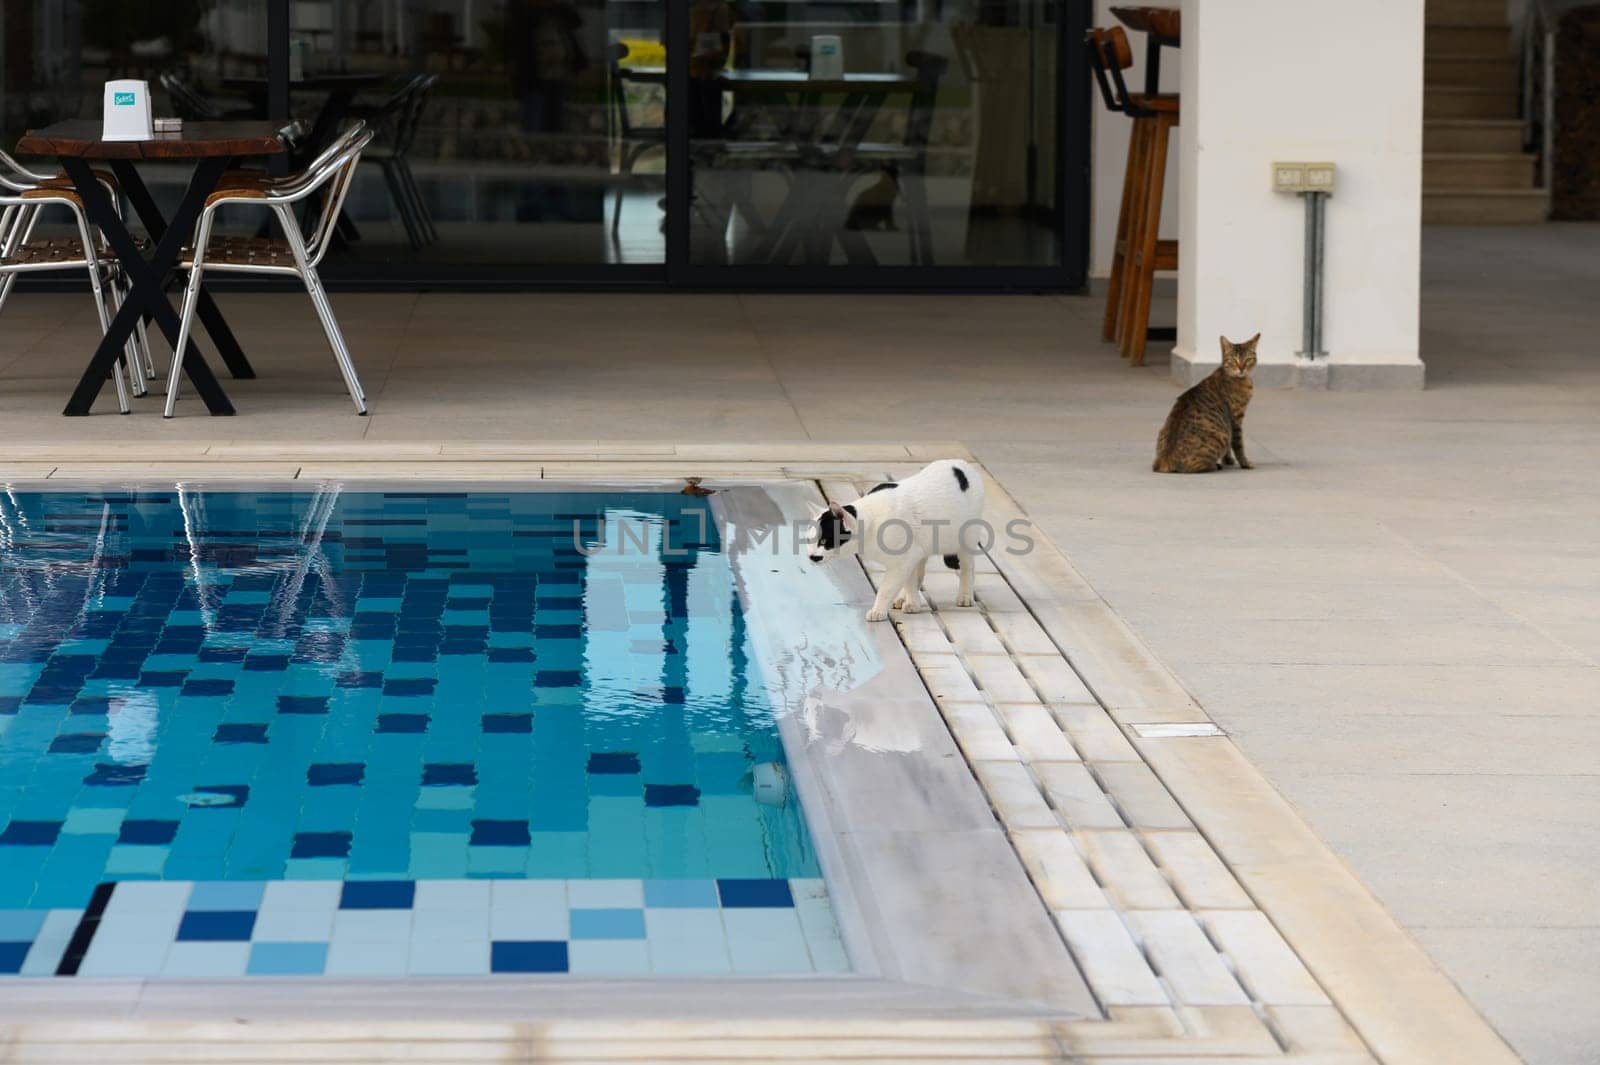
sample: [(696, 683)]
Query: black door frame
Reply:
[(1072, 181)]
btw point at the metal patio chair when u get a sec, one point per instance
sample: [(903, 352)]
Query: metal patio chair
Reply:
[(297, 254), (397, 120), (24, 196)]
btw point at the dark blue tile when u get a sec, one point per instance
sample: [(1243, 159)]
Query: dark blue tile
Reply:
[(10, 704), (240, 732), (115, 776), (557, 632), (402, 723), (331, 773), (752, 894), (674, 696), (613, 762), (377, 895), (208, 686), (511, 654), (508, 722), (671, 795), (409, 686), (91, 704), (149, 832), (12, 956), (500, 834), (266, 663), (302, 704), (162, 678), (213, 926), (77, 743), (222, 654), (445, 774), (359, 680), (321, 845), (557, 678), (528, 956), (31, 833)]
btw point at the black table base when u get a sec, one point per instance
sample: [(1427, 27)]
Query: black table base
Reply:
[(146, 277)]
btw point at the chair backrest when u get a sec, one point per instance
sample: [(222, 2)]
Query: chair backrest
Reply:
[(188, 101), (332, 172), (1109, 55)]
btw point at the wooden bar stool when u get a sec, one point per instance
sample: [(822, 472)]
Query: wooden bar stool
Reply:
[(1139, 251)]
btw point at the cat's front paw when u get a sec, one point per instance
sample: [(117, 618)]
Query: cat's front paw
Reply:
[(877, 615), (1246, 464), (1227, 460), (910, 604), (964, 600)]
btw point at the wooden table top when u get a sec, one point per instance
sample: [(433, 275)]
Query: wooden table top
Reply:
[(793, 80), (1163, 22), (80, 137)]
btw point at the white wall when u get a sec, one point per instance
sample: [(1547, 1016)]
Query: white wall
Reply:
[(1109, 150), (1302, 80)]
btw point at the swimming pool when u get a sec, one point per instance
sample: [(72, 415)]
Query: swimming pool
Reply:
[(389, 733)]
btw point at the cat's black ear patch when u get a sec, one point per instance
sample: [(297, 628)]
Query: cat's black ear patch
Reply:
[(851, 507), (884, 487), (961, 478), (952, 561)]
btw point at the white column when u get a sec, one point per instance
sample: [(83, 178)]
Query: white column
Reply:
[(1308, 80)]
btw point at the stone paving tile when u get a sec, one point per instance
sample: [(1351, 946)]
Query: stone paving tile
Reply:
[(1265, 963), (977, 732), (1014, 795), (1199, 876), (1141, 797), (1058, 870), (1129, 877), (1075, 793), (1056, 681), (1000, 679), (1110, 959), (1186, 959), (1097, 737), (1036, 734)]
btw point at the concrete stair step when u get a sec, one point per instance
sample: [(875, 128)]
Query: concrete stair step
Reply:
[(1486, 41), (1482, 206), (1473, 72), (1487, 171), (1474, 135), (1466, 13), (1446, 101)]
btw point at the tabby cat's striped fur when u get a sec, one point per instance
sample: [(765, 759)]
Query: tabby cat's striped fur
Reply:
[(1205, 430)]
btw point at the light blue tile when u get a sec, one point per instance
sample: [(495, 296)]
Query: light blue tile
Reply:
[(681, 894), (314, 869), (131, 859), (607, 924), (608, 957), (226, 895), (20, 926), (287, 959)]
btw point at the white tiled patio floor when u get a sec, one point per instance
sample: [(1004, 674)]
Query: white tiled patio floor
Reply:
[(1397, 615)]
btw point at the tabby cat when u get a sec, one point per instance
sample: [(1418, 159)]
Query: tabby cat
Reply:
[(1205, 430)]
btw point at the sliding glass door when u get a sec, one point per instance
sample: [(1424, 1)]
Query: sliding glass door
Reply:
[(861, 135), (827, 144)]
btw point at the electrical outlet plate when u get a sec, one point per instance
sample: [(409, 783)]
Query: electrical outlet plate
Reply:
[(1294, 178)]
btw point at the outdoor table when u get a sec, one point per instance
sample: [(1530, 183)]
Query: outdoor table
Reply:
[(214, 147), (1161, 27), (864, 95)]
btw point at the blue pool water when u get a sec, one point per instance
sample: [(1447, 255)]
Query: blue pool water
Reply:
[(369, 705)]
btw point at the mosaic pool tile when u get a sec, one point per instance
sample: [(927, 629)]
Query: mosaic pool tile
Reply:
[(298, 733)]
